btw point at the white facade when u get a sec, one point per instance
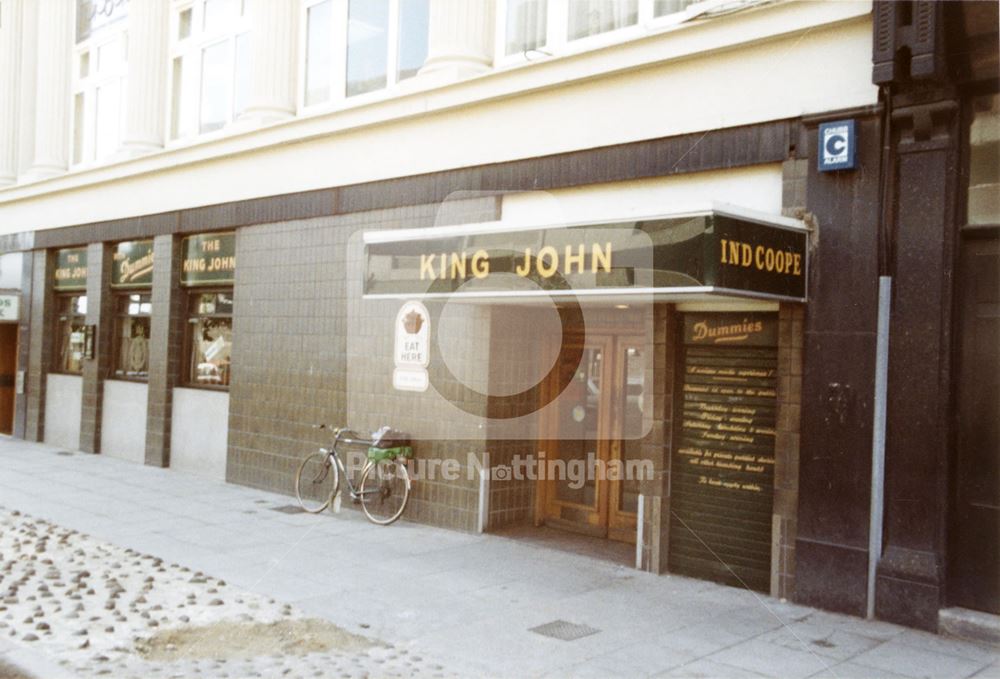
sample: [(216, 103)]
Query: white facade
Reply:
[(178, 103)]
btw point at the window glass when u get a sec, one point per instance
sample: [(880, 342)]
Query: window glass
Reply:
[(132, 336), (526, 25), (78, 122), (184, 24), (108, 108), (590, 17), (72, 320), (414, 22), (319, 52), (367, 45), (244, 75), (664, 7), (214, 81), (984, 161), (176, 88), (216, 14), (211, 339)]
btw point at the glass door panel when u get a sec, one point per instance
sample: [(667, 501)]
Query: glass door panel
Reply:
[(580, 430)]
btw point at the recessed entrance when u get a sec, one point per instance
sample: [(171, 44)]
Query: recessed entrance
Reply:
[(594, 429)]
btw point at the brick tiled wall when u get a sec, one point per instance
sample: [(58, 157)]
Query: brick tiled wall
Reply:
[(42, 338), (657, 444), (165, 346), (100, 312), (786, 450), (297, 299)]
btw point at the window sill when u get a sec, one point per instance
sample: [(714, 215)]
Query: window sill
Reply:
[(206, 387)]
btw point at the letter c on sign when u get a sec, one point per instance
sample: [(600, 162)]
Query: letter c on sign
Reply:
[(836, 144)]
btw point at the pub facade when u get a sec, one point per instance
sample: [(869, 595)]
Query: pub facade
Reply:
[(618, 277)]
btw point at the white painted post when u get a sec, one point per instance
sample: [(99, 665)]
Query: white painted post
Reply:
[(640, 515)]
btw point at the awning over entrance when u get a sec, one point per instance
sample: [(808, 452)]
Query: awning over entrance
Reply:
[(716, 251)]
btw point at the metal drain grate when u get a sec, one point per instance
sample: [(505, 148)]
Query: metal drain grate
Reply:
[(288, 509), (64, 453), (565, 631)]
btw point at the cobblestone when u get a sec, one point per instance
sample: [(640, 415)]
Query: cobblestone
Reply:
[(122, 613)]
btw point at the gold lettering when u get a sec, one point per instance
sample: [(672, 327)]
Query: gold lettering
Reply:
[(547, 262), (480, 264), (525, 267), (572, 259), (457, 265), (600, 258), (427, 267), (747, 254), (758, 258), (722, 243), (797, 264)]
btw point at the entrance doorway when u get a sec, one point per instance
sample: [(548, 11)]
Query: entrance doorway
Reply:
[(8, 368), (974, 545), (597, 420)]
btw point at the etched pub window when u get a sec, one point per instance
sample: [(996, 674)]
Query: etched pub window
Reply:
[(72, 318), (132, 336), (210, 338)]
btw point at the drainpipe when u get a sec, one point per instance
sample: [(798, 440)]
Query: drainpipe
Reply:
[(887, 195), (878, 437)]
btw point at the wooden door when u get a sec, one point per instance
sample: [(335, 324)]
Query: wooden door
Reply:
[(8, 368), (597, 420)]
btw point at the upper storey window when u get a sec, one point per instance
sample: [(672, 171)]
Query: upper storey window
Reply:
[(358, 46), (100, 70), (527, 26), (210, 67)]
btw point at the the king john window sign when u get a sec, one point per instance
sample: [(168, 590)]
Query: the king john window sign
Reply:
[(708, 252), (837, 144)]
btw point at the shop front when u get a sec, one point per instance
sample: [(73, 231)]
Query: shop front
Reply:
[(634, 380)]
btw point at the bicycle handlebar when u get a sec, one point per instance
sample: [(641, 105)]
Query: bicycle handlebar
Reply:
[(350, 437)]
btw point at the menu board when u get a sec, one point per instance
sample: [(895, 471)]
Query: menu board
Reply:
[(723, 461)]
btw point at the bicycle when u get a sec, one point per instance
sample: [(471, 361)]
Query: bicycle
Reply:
[(384, 485)]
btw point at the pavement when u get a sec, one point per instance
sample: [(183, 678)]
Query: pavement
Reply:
[(328, 595)]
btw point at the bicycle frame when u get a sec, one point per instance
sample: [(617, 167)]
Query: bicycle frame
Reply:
[(332, 453)]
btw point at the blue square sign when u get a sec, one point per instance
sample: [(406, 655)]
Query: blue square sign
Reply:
[(837, 143)]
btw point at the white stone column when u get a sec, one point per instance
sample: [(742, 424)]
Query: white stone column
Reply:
[(273, 34), (54, 42), (460, 43), (10, 87), (145, 109)]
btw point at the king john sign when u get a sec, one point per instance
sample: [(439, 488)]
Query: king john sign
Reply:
[(711, 253)]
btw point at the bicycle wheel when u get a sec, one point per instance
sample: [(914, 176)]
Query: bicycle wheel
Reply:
[(316, 482), (385, 488)]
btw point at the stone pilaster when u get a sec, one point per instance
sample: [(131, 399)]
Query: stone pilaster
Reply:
[(148, 22), (42, 336), (273, 39), (54, 41), (165, 344), (460, 42), (100, 312), (10, 84)]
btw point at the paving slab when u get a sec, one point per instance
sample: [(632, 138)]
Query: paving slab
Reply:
[(447, 603)]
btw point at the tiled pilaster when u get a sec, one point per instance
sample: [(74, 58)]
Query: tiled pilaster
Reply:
[(166, 339), (100, 312), (40, 336), (786, 450)]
